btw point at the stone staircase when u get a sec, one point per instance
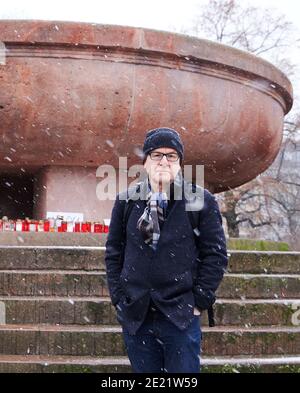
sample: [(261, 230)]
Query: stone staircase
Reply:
[(56, 316)]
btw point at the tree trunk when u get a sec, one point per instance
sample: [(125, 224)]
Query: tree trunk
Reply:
[(232, 226)]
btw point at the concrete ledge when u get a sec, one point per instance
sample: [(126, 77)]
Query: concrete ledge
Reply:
[(66, 364), (52, 239)]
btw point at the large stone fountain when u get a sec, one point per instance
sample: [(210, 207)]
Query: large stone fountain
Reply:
[(74, 96)]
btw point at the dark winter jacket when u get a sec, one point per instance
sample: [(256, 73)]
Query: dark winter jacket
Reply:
[(183, 272)]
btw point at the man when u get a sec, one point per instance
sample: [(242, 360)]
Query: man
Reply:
[(160, 275)]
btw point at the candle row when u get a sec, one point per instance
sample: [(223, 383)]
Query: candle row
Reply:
[(51, 225)]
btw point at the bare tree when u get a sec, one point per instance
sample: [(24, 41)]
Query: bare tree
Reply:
[(256, 30), (244, 206), (275, 194)]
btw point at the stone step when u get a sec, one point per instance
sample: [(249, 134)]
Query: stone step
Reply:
[(53, 283), (75, 239), (260, 286), (92, 258), (255, 341), (89, 310), (67, 364), (93, 283), (51, 258), (103, 340), (58, 310), (258, 312), (257, 262), (243, 364)]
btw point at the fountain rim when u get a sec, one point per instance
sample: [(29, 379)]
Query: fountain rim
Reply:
[(33, 32)]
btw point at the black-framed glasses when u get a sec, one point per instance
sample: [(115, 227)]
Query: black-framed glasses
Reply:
[(158, 156)]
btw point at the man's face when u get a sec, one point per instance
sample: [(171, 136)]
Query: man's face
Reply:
[(162, 171)]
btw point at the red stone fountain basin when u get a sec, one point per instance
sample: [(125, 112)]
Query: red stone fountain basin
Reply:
[(77, 94)]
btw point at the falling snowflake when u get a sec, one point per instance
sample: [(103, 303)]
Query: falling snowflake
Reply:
[(109, 143)]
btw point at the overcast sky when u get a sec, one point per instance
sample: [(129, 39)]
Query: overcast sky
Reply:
[(160, 14)]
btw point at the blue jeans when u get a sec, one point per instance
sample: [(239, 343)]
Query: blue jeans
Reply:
[(160, 347)]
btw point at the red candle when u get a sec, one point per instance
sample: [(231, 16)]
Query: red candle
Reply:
[(25, 226), (77, 227), (46, 226), (64, 226), (97, 227)]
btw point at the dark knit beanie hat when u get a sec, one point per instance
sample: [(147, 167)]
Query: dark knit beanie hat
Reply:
[(163, 137)]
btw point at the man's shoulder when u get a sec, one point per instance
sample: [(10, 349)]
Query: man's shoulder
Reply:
[(195, 191), (201, 200), (206, 193), (209, 195)]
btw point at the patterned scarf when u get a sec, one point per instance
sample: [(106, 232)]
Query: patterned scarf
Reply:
[(153, 215)]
